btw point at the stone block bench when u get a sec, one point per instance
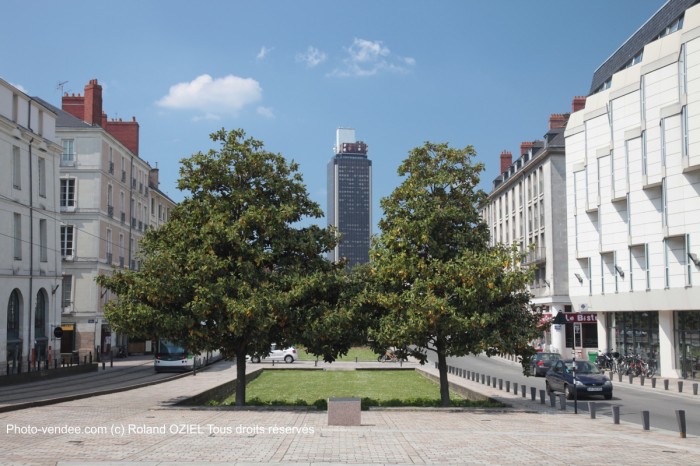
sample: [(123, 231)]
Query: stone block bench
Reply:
[(344, 411)]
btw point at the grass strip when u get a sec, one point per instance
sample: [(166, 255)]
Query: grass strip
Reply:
[(374, 388)]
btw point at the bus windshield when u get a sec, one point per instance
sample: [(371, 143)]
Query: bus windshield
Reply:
[(168, 348)]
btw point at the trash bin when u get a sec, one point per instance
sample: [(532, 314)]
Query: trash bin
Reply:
[(592, 356)]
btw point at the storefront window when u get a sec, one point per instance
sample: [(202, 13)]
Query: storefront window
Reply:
[(687, 326), (634, 333)]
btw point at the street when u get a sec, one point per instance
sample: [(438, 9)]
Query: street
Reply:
[(632, 399)]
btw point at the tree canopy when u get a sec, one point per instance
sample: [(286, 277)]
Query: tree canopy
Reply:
[(232, 269), (437, 283)]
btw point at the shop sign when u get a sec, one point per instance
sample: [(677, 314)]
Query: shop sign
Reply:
[(575, 317)]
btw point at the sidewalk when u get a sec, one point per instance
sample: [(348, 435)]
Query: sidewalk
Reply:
[(145, 425)]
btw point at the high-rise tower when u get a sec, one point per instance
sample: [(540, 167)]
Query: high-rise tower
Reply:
[(350, 197)]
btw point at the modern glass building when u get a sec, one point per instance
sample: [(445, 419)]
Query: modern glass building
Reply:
[(350, 198)]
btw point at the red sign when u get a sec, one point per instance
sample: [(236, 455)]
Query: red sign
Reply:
[(575, 317)]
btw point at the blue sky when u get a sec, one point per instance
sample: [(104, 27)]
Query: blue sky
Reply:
[(466, 72)]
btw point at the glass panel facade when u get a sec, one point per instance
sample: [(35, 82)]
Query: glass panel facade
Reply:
[(687, 325), (634, 333)]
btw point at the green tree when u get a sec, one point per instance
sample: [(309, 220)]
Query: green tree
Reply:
[(437, 284), (232, 269)]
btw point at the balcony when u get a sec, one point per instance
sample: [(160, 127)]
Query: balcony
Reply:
[(109, 257), (110, 211), (121, 261), (123, 176), (123, 217), (141, 187), (535, 256), (133, 222), (111, 168), (140, 225)]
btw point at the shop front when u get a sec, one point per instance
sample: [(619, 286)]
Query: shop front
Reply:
[(634, 334), (578, 338), (687, 330)]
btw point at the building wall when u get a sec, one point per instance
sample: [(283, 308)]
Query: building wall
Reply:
[(27, 127), (635, 199)]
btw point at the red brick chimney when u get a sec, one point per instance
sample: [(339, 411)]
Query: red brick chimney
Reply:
[(73, 104), (506, 160), (126, 132), (558, 120), (525, 147), (93, 103), (579, 103)]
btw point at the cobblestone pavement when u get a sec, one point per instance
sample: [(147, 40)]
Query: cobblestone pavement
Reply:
[(144, 426)]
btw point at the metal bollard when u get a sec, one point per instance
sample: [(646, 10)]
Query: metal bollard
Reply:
[(665, 384), (680, 386), (562, 402), (645, 420), (641, 380), (493, 379), (436, 365), (552, 400), (103, 365), (500, 384), (631, 378), (695, 389), (653, 382), (523, 391), (483, 379), (542, 397), (507, 385), (616, 414), (533, 393), (469, 375), (591, 409), (355, 359), (680, 418), (515, 388), (619, 376), (488, 380)]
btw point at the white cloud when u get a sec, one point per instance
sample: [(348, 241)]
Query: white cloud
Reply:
[(368, 58), (213, 96), (264, 51), (267, 112), (312, 57)]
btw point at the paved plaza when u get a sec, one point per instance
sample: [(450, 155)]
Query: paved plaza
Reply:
[(145, 426)]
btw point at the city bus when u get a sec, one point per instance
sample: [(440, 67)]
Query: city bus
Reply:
[(171, 357)]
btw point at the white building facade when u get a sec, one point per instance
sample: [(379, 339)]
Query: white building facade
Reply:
[(525, 208), (633, 195), (30, 262), (109, 197)]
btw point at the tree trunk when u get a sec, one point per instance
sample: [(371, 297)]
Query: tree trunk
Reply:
[(240, 377), (442, 368)]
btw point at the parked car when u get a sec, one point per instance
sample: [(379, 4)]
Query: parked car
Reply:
[(277, 353), (589, 379), (541, 362)]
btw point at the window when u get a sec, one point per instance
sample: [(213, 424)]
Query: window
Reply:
[(684, 131), (40, 315), (662, 141), (15, 107), (688, 263), (16, 168), (67, 193), (644, 152), (664, 204), (682, 72), (667, 272), (109, 245), (18, 236), (67, 286), (42, 177), (67, 241), (13, 319), (68, 156), (43, 239), (647, 268)]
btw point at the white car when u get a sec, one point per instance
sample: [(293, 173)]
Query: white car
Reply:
[(287, 355)]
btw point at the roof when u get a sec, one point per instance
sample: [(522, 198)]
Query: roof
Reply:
[(647, 33), (63, 118)]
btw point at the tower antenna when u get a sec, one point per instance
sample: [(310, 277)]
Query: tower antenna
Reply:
[(60, 86)]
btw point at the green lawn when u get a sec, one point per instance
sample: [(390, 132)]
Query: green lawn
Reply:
[(363, 354), (376, 388)]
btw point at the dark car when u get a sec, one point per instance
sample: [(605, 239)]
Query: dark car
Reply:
[(541, 362), (589, 379)]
